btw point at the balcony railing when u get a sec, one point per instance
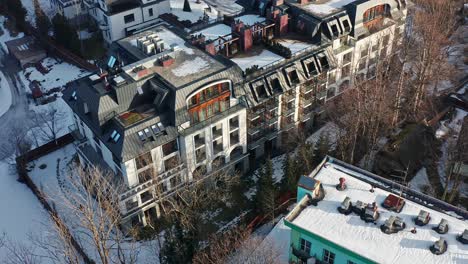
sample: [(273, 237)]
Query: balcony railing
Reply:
[(183, 117)]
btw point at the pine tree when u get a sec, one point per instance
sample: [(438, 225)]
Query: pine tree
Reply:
[(265, 196), (15, 7), (290, 175), (42, 21), (187, 7), (178, 245), (321, 149), (65, 34)]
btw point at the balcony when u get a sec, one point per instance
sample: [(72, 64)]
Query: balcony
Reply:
[(307, 101), (183, 117)]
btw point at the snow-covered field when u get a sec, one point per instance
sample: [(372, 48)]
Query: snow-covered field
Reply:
[(60, 73), (6, 36), (5, 94), (21, 213)]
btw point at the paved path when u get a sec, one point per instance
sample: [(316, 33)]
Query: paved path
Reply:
[(19, 114)]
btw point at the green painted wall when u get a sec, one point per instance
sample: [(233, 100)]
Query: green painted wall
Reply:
[(342, 255)]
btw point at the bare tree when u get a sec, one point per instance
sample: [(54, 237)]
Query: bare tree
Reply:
[(235, 247), (93, 206), (18, 143), (50, 123)]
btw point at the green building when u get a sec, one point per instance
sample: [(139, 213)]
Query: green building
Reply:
[(339, 218)]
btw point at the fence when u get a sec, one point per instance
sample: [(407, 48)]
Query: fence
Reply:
[(21, 166)]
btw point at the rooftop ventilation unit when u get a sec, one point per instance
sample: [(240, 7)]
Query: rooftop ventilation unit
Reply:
[(359, 207), (94, 78), (342, 185), (371, 213), (393, 225), (463, 238), (346, 206), (140, 42), (148, 48), (119, 80), (439, 247), (422, 219), (442, 228), (159, 44)]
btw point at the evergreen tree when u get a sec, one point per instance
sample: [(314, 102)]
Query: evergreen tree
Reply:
[(65, 34), (178, 245), (187, 7), (42, 21), (321, 149), (290, 175), (265, 196), (15, 7), (305, 156)]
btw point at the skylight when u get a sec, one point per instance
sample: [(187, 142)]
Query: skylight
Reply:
[(73, 96)]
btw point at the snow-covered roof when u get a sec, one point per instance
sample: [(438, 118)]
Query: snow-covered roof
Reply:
[(261, 59), (296, 45), (214, 32), (198, 10), (324, 7), (250, 19), (366, 239)]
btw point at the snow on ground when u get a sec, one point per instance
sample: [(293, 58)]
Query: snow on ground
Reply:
[(6, 36), (60, 73), (198, 10), (215, 31), (420, 180), (330, 129), (265, 57), (5, 94), (21, 212), (279, 238), (54, 182), (295, 45), (352, 233), (46, 6), (250, 19), (190, 67)]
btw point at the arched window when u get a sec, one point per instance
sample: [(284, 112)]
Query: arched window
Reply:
[(375, 14), (209, 101)]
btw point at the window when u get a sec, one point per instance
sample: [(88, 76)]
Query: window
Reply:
[(376, 12), (145, 175), (209, 102), (146, 196), (143, 160), (150, 12), (345, 71), (129, 18), (171, 163), (170, 147), (305, 245), (347, 58), (328, 257)]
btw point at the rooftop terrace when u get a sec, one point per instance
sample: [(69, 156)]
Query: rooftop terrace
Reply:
[(322, 8), (160, 51), (367, 239)]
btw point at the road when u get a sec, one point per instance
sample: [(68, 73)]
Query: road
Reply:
[(19, 115)]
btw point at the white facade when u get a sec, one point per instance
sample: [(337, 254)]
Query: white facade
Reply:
[(115, 25)]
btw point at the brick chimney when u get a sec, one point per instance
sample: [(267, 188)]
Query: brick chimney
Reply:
[(166, 61), (281, 25), (237, 26), (210, 48), (302, 2), (246, 39)]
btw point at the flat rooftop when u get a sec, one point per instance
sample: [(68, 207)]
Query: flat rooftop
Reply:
[(197, 13), (366, 239), (189, 63), (322, 8)]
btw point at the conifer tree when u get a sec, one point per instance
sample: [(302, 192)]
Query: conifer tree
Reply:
[(65, 34), (187, 7), (321, 149), (265, 196), (178, 245), (42, 21), (290, 175), (15, 7)]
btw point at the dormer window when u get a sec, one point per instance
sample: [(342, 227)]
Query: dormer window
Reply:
[(115, 136), (335, 31), (74, 96), (141, 135)]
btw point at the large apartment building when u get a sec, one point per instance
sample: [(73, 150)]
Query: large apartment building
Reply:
[(188, 104)]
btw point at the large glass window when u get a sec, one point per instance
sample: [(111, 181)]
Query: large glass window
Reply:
[(376, 12), (143, 160), (129, 18), (209, 101)]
